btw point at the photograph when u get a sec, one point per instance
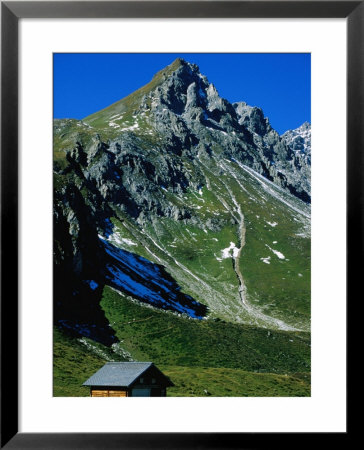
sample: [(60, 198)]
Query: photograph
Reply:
[(181, 225)]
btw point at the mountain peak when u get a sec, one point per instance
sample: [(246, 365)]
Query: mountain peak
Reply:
[(169, 88), (168, 70), (178, 72), (179, 65), (179, 62)]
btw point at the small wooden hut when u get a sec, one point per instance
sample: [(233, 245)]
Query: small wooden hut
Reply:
[(128, 379)]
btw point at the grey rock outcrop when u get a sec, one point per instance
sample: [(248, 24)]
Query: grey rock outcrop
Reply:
[(277, 156)]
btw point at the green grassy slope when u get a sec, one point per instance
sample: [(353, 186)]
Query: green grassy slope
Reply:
[(154, 335), (201, 357), (218, 382)]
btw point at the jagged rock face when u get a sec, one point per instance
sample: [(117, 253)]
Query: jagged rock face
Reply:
[(139, 159), (280, 160), (188, 110), (187, 114), (252, 118), (299, 141)]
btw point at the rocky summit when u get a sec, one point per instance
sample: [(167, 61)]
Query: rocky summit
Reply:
[(181, 201)]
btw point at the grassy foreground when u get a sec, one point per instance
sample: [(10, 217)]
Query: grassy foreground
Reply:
[(202, 358), (219, 382)]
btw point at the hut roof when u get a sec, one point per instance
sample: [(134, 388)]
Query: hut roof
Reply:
[(120, 374)]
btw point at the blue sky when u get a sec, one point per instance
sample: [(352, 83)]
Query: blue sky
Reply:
[(279, 83)]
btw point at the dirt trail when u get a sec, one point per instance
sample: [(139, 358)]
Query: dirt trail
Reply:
[(236, 263), (236, 256), (253, 311)]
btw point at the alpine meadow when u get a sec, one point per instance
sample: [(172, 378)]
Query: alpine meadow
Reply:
[(182, 236)]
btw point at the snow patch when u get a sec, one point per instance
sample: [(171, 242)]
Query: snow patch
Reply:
[(276, 252), (132, 127), (116, 238), (226, 252), (266, 260), (114, 125)]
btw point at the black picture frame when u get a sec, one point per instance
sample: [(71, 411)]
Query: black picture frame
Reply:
[(11, 12)]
